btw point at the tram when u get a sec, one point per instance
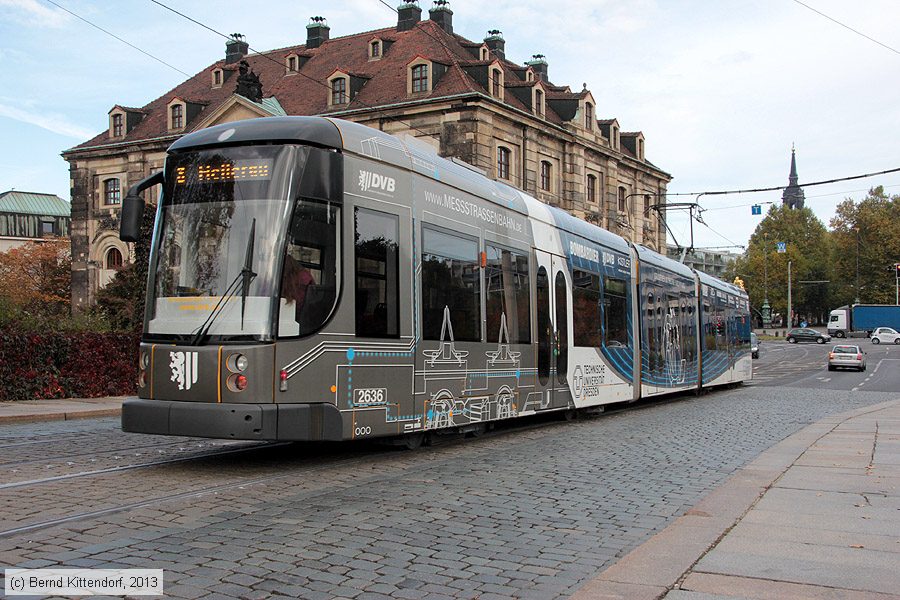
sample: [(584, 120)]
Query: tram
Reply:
[(316, 279)]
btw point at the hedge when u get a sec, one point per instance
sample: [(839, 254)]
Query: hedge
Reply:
[(67, 365)]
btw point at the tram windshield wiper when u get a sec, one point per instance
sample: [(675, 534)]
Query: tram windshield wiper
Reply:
[(244, 278)]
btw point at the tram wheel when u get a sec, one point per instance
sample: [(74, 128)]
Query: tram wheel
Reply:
[(413, 441)]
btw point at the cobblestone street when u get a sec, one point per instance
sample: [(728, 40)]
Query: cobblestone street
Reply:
[(528, 512)]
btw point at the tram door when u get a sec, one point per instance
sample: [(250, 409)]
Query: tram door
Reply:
[(552, 308)]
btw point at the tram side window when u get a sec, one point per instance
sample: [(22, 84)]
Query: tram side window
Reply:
[(310, 276), (506, 278), (615, 312), (586, 308), (450, 278), (377, 281)]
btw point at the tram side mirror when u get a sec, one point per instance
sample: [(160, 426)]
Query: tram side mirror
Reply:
[(133, 208)]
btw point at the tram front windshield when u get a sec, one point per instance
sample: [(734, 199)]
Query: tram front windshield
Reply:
[(224, 211)]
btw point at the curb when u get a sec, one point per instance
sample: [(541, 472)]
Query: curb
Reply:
[(61, 416), (657, 566)]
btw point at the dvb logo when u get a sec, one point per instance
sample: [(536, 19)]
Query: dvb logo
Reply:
[(369, 181)]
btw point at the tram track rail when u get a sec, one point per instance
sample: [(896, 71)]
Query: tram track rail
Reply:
[(180, 459), (358, 458), (166, 445)]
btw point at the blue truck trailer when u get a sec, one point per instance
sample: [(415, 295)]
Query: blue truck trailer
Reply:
[(862, 317)]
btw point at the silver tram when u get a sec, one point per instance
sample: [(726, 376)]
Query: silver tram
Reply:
[(316, 279)]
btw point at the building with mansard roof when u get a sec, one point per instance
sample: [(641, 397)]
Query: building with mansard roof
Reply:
[(31, 217), (416, 77)]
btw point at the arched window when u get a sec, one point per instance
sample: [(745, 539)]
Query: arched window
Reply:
[(112, 193), (589, 116), (591, 189), (339, 91), (420, 78), (503, 162), (545, 175), (113, 259)]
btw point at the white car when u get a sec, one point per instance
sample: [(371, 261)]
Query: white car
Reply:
[(886, 335)]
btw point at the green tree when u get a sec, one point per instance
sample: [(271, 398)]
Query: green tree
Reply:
[(869, 230), (807, 247)]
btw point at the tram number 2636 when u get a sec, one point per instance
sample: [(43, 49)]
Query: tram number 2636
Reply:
[(370, 396)]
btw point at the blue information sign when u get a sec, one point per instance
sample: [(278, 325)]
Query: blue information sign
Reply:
[(756, 209), (782, 246)]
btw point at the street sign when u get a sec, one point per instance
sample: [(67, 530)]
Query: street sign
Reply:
[(756, 209), (782, 246)]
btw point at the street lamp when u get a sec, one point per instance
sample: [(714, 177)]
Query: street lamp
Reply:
[(766, 308), (790, 314), (857, 264)]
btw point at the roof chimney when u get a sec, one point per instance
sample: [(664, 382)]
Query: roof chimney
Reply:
[(496, 43), (408, 15), (441, 14), (538, 63), (235, 48), (317, 32)]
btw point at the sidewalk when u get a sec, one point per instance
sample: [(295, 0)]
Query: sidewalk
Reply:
[(815, 516), (52, 410)]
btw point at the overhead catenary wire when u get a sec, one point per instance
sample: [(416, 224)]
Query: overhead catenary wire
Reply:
[(845, 26), (111, 34), (781, 187)]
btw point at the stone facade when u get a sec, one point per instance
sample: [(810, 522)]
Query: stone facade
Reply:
[(477, 104)]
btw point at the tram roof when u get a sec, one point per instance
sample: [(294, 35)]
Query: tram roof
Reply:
[(711, 281), (308, 130), (647, 255)]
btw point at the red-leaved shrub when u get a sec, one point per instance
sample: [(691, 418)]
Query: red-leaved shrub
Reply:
[(67, 365)]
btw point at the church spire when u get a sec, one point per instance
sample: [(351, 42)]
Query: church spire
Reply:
[(793, 195)]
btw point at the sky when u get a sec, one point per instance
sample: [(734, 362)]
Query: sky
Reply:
[(722, 90)]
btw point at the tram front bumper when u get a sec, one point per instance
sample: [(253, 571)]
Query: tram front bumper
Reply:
[(293, 422)]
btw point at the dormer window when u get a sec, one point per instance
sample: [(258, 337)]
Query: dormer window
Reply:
[(588, 116), (177, 116), (497, 83), (640, 149), (375, 49), (118, 125), (529, 75), (539, 102), (339, 90), (614, 137), (291, 64), (217, 78), (484, 53), (419, 78)]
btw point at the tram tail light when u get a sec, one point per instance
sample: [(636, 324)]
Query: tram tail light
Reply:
[(283, 377), (236, 382)]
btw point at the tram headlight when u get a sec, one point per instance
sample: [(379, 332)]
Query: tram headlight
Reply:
[(142, 379), (237, 363), (145, 359)]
